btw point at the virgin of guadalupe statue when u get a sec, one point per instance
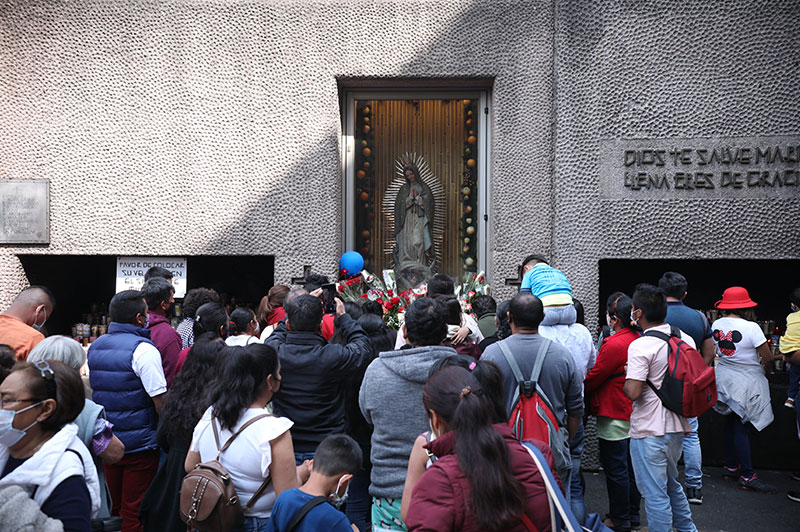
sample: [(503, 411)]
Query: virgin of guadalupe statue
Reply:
[(413, 223)]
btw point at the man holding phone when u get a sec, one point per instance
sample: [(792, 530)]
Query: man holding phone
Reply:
[(313, 372)]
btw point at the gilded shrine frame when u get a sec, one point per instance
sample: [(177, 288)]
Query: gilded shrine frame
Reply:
[(463, 241)]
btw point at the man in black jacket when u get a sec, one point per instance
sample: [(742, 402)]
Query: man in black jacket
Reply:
[(314, 372)]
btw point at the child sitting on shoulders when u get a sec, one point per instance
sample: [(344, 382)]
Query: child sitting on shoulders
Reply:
[(315, 505)]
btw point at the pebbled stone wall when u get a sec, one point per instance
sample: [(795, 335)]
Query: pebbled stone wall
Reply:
[(683, 69), (182, 127), (188, 128)]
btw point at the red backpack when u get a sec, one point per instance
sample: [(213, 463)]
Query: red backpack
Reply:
[(690, 386), (531, 414)]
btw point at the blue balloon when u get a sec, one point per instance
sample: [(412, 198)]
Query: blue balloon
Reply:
[(352, 262)]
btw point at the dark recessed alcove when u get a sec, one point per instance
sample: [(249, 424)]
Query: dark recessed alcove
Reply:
[(769, 283), (84, 284)]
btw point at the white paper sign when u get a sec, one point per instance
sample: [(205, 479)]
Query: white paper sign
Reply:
[(131, 270)]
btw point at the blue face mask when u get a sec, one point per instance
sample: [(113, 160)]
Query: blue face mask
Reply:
[(39, 326), (794, 309), (9, 436)]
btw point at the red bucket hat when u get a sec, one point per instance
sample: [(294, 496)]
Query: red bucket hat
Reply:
[(735, 297)]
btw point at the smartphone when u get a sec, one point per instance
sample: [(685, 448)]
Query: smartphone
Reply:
[(328, 295)]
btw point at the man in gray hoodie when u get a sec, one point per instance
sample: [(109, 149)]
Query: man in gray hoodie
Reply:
[(391, 399)]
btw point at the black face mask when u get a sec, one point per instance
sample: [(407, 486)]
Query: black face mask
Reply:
[(170, 312)]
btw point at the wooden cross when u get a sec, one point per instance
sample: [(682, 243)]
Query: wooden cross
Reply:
[(302, 280)]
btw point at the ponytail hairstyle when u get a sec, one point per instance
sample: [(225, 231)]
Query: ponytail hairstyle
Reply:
[(489, 375), (498, 497), (243, 377), (240, 319), (619, 306), (274, 299), (210, 317)]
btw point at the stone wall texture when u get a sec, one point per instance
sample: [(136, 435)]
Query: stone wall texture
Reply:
[(682, 69), (188, 128)]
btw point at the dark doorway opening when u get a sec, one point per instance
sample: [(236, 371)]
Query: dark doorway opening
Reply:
[(769, 283), (84, 284)]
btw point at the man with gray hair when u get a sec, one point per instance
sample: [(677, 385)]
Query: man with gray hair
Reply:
[(21, 323)]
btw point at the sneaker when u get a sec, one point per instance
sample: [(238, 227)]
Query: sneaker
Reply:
[(794, 495), (754, 484), (795, 475), (789, 403), (731, 474), (610, 524), (694, 495)]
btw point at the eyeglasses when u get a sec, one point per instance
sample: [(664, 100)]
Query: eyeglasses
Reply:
[(49, 377)]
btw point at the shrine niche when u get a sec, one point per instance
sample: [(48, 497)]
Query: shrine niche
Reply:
[(416, 193)]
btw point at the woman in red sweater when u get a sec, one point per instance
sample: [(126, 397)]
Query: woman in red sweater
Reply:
[(613, 410), (484, 479)]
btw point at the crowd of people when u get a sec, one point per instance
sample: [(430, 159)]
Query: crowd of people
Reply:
[(332, 421)]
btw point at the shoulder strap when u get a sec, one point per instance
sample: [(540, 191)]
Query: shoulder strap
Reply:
[(561, 515), (234, 435), (512, 362), (316, 501), (267, 480), (657, 334), (258, 493), (539, 362)]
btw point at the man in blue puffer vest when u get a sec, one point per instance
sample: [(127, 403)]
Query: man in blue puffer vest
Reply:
[(127, 379)]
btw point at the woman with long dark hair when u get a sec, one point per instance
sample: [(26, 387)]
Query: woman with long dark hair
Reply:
[(484, 479), (249, 378), (187, 400), (491, 378)]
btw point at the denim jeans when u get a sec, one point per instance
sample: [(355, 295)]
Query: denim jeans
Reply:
[(253, 524), (737, 445), (692, 457), (655, 463), (623, 497), (575, 488), (794, 380), (359, 501)]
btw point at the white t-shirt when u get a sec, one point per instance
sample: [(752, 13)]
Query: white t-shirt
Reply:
[(147, 366), (647, 360), (249, 456), (737, 339), (242, 340)]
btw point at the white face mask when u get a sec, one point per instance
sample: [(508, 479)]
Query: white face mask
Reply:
[(9, 436), (608, 320), (336, 499), (433, 432)]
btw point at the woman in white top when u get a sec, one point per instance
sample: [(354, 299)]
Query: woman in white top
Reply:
[(742, 387), (243, 328), (250, 376)]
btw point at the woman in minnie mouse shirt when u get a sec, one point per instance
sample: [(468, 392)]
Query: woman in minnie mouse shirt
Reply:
[(742, 387)]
